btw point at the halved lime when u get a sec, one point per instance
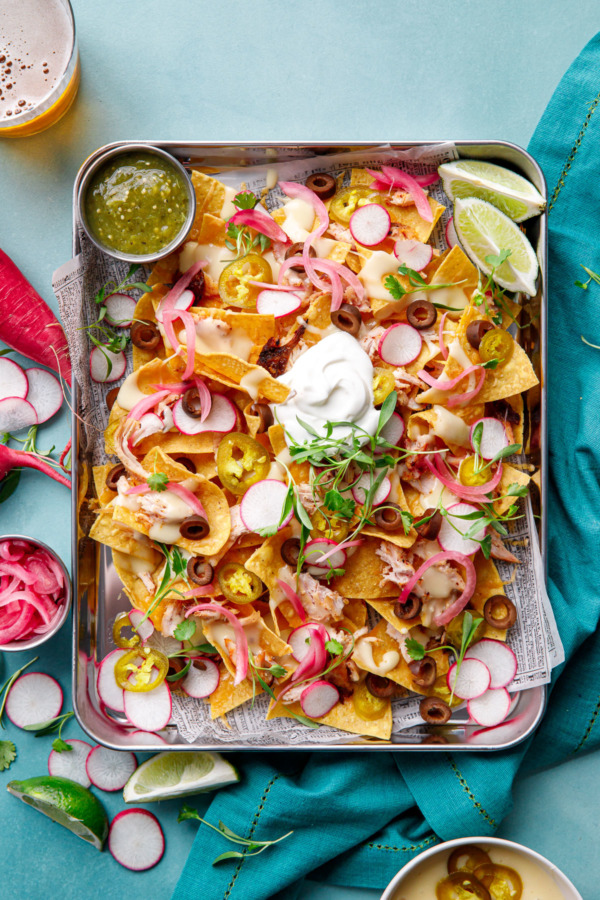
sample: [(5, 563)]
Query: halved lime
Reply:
[(484, 231), (509, 192), (66, 802), (175, 774)]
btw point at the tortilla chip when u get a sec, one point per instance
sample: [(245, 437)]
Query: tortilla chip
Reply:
[(363, 577), (300, 471), (342, 716), (410, 224), (174, 443), (488, 584), (401, 674), (212, 230), (510, 475), (113, 534), (385, 608), (266, 638), (164, 271), (144, 309), (228, 696)]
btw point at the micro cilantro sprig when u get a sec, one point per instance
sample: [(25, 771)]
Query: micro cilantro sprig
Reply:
[(238, 238), (175, 570), (416, 650), (417, 284), (251, 846)]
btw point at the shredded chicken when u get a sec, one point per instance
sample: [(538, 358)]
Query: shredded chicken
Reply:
[(350, 296), (397, 566), (407, 387), (320, 602), (345, 638), (369, 343), (126, 430), (340, 233), (499, 551), (274, 356), (172, 617), (305, 495), (401, 198), (146, 579), (344, 677)]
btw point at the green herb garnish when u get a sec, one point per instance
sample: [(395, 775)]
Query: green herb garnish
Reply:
[(251, 846)]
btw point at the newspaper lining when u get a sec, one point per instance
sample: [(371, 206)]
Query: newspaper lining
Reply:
[(534, 639)]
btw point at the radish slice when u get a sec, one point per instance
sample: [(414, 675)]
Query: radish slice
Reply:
[(315, 549), (413, 254), (119, 310), (45, 393), (202, 679), (34, 698), (370, 224), (359, 491), (164, 643), (13, 380), (393, 429), (109, 770), (500, 660), (497, 734), (493, 437), (144, 628), (277, 303), (300, 639), (146, 738), (99, 365), (222, 417), (400, 344), (148, 710), (451, 534), (318, 699), (471, 681), (109, 691), (451, 238), (149, 424), (136, 839), (184, 301), (262, 505), (71, 763), (16, 414), (491, 708)]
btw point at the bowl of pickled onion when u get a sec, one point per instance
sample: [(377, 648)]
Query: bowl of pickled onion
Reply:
[(35, 592)]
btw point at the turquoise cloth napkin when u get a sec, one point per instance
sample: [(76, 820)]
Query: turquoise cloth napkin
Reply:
[(357, 818)]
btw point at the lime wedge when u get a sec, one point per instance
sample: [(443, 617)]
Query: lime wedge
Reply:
[(511, 193), (173, 774), (483, 231), (66, 802)]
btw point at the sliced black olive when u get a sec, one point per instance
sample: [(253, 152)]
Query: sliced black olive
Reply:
[(434, 711), (322, 184), (424, 671), (290, 551), (347, 318), (194, 528), (111, 397), (199, 571), (113, 476), (389, 517), (187, 463), (429, 530), (421, 314), (296, 250), (191, 403), (476, 330), (383, 687), (264, 413), (145, 335), (410, 609), (499, 611)]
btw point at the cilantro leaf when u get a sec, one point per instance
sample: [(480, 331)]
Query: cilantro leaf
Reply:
[(486, 546), (407, 520), (277, 671), (414, 649), (337, 503), (336, 648), (8, 754), (245, 200), (185, 630), (61, 746), (490, 364), (517, 490), (187, 812), (158, 481), (392, 285)]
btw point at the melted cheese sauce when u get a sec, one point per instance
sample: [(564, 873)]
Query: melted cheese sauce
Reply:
[(363, 653)]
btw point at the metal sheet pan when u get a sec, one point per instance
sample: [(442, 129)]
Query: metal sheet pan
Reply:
[(96, 586)]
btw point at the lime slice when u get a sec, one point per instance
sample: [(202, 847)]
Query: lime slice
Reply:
[(175, 774), (511, 193), (483, 231), (66, 802)]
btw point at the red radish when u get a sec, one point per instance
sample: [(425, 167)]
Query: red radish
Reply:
[(148, 710), (262, 505), (136, 839), (164, 643), (300, 638), (393, 429), (318, 699), (119, 310), (45, 393), (493, 437), (370, 224), (13, 380), (498, 657), (169, 301), (315, 549), (71, 763), (146, 738), (400, 344), (144, 628), (451, 238), (222, 417), (109, 770), (277, 303), (184, 301), (34, 698), (27, 324), (413, 254), (471, 681), (150, 424), (491, 708), (202, 678), (497, 734), (454, 527), (99, 359), (16, 414), (359, 491), (109, 691)]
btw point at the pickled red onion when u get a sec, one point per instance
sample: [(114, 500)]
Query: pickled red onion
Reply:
[(241, 641), (343, 546), (190, 342), (475, 493), (172, 388), (148, 403), (459, 604), (167, 303), (406, 182), (315, 660), (205, 397), (458, 399), (31, 594), (260, 222), (446, 385), (301, 192), (294, 599), (201, 591), (192, 501)]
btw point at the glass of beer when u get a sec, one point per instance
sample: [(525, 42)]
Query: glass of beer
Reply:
[(39, 64)]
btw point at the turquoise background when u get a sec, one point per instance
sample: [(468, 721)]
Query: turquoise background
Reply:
[(267, 70)]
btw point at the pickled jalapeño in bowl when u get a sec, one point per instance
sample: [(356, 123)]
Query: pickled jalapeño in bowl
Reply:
[(39, 64)]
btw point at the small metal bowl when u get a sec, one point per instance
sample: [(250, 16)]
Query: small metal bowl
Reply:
[(89, 173), (394, 889), (17, 646)]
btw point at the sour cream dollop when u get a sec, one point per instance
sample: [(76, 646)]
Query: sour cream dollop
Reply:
[(332, 381)]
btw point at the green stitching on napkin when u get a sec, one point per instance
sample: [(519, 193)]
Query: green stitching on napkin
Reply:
[(471, 795), (252, 830), (588, 730), (412, 849), (576, 146)]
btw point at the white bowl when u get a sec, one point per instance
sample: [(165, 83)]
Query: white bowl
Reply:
[(562, 882)]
